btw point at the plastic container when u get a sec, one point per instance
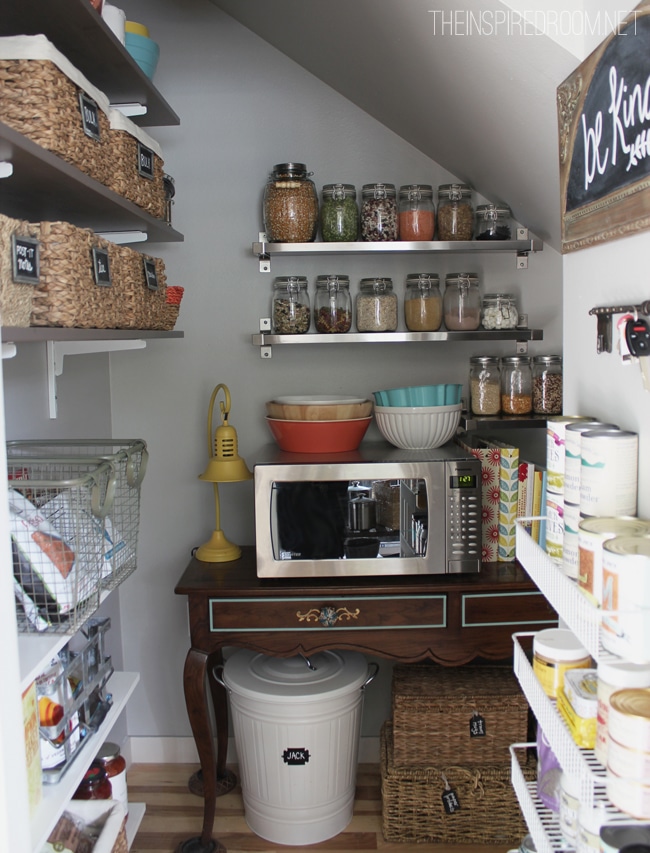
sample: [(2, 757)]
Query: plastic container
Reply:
[(422, 302), (115, 766), (416, 212), (290, 206), (547, 384), (493, 222), (290, 308), (332, 304), (376, 306), (499, 311), (455, 212), (556, 650), (462, 302), (485, 385), (379, 213), (339, 213), (516, 385)]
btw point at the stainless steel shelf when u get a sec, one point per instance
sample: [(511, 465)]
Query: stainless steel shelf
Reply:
[(359, 248), (479, 423), (262, 339)]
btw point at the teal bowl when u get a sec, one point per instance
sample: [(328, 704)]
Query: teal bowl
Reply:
[(145, 52), (420, 395)]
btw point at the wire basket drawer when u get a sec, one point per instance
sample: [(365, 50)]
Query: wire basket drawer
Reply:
[(57, 511), (129, 459)]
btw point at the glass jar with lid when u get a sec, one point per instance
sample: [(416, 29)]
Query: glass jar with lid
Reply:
[(455, 212), (516, 385), (423, 302), (114, 764), (332, 304), (461, 302), (95, 784), (290, 207), (547, 384), (493, 222), (499, 311), (339, 214), (378, 213), (290, 309), (485, 385), (416, 212), (376, 306)]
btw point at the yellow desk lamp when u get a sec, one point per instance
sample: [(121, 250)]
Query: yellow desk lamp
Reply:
[(225, 466)]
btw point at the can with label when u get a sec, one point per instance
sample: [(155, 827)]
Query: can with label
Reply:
[(573, 453), (629, 726), (626, 597), (570, 547), (592, 534), (554, 512), (608, 472), (555, 437), (613, 676)]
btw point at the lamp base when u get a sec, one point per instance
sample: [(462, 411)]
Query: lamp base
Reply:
[(218, 549)]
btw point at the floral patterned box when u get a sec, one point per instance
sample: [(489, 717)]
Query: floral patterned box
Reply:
[(490, 494), (508, 496)]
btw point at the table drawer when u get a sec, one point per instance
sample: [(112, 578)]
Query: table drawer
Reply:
[(515, 609), (307, 614)]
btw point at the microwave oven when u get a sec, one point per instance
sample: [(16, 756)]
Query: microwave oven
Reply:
[(374, 511)]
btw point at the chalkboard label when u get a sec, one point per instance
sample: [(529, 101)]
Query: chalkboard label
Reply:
[(89, 116), (296, 756), (145, 161), (25, 260), (477, 725), (150, 274), (101, 267)]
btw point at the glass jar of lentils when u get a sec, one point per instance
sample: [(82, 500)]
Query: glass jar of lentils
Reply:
[(378, 213), (416, 213), (332, 304), (455, 212), (290, 206), (339, 214), (291, 312), (516, 385), (376, 306), (547, 384), (422, 302), (485, 385)]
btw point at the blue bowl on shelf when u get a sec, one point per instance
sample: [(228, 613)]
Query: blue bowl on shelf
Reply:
[(145, 52), (420, 395)]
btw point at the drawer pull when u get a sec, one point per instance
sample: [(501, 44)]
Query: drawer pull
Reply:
[(327, 615)]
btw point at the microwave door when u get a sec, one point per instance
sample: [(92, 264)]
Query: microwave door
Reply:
[(309, 520)]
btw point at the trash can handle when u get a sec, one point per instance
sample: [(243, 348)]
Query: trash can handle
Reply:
[(372, 676), (216, 674)]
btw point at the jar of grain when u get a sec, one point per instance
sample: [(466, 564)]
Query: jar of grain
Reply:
[(416, 213), (485, 385), (339, 214), (376, 306), (291, 312), (332, 304), (422, 302), (516, 385), (378, 213), (455, 212), (493, 222), (290, 206), (499, 311), (462, 302), (547, 385)]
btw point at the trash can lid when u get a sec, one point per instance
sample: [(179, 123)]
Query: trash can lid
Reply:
[(250, 673)]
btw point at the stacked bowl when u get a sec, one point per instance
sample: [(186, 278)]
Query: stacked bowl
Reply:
[(418, 417), (318, 424)]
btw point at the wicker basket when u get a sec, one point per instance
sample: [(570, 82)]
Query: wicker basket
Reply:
[(413, 808), (15, 297), (436, 710), (39, 97), (148, 192), (139, 307)]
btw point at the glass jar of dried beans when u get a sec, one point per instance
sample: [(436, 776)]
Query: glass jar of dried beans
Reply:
[(332, 304), (455, 212), (378, 213), (547, 385), (291, 312), (290, 205), (516, 385)]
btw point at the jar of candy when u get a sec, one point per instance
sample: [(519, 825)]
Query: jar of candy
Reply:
[(290, 207), (455, 212), (416, 213), (485, 385), (462, 302), (291, 311), (332, 304), (378, 213), (339, 213), (547, 384), (516, 385), (95, 784), (493, 222), (422, 302), (499, 311), (376, 306)]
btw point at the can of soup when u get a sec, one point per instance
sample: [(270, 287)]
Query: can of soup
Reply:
[(573, 455), (608, 472), (555, 437), (592, 534), (626, 597)]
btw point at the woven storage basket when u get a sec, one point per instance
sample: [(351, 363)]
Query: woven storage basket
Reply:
[(126, 178), (434, 707), (15, 297), (413, 810), (39, 97), (138, 306)]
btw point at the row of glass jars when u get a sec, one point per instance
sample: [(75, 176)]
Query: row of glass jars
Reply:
[(425, 309), (291, 212), (516, 385)]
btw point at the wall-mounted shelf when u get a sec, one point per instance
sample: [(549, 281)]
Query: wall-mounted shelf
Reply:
[(35, 334), (478, 423)]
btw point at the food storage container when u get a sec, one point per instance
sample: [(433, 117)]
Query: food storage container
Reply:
[(485, 385), (290, 310), (547, 384), (339, 213), (422, 302), (290, 205), (416, 212), (493, 222), (462, 302), (332, 304), (376, 306), (378, 213), (499, 311), (516, 385), (114, 764), (555, 651), (95, 784), (455, 212)]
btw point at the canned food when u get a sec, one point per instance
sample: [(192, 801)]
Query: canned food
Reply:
[(573, 455), (555, 436), (608, 472), (626, 597), (613, 676), (592, 535)]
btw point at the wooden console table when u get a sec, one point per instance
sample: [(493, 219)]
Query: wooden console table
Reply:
[(451, 619)]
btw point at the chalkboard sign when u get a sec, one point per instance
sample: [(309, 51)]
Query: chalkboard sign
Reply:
[(89, 116), (604, 135), (25, 260), (145, 161), (150, 273), (101, 267)]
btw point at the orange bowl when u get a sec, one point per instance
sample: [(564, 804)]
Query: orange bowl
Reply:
[(318, 436)]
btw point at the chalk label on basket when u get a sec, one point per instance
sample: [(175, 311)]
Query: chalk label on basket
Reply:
[(297, 755), (150, 274), (25, 260), (89, 116), (145, 161), (450, 801), (101, 267), (477, 726)]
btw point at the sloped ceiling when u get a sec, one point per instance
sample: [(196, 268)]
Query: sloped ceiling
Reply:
[(481, 105)]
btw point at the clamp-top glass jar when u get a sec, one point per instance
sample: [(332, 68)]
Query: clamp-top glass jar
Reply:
[(332, 304), (378, 213), (485, 385), (290, 205), (339, 214), (493, 222), (417, 218), (547, 385), (499, 311), (291, 312), (462, 302), (422, 303), (516, 385), (376, 306), (455, 212)]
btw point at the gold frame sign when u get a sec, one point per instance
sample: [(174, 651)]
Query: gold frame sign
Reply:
[(604, 136)]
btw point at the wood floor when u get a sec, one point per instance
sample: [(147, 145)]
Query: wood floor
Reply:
[(174, 814)]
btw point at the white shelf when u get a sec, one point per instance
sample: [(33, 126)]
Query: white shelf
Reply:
[(136, 814), (55, 797)]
